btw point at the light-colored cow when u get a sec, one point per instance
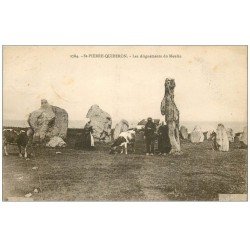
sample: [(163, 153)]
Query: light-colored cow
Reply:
[(124, 139)]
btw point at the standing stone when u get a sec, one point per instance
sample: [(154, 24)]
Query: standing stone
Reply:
[(172, 116), (122, 126), (237, 136), (101, 123), (205, 135), (197, 135), (184, 132), (209, 133), (48, 121), (243, 138), (222, 138), (230, 135)]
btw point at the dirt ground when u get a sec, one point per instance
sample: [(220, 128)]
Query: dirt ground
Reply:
[(199, 174)]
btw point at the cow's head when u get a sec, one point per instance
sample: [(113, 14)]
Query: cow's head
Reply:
[(116, 146), (115, 150), (112, 150)]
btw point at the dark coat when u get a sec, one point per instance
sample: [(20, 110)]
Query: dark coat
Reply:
[(164, 145), (83, 139), (163, 132), (87, 131), (149, 130)]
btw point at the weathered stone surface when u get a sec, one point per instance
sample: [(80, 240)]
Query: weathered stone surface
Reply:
[(209, 133), (172, 115), (56, 141), (237, 137), (122, 126), (101, 123), (230, 135), (197, 135), (222, 138), (184, 132), (48, 121), (205, 135), (243, 138)]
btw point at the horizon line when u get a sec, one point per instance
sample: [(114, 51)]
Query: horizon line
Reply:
[(140, 120)]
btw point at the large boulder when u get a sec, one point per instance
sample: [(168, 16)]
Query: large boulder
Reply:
[(184, 132), (197, 135), (48, 121), (101, 123), (230, 135), (222, 138), (122, 126), (243, 138)]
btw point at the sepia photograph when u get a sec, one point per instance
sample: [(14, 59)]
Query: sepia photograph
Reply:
[(124, 123)]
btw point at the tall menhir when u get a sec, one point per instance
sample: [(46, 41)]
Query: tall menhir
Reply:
[(172, 115)]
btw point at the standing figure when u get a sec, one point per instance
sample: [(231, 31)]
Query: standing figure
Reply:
[(172, 115), (164, 145), (215, 145), (88, 139), (149, 135)]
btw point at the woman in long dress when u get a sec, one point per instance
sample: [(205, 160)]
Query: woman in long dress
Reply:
[(164, 145), (88, 139)]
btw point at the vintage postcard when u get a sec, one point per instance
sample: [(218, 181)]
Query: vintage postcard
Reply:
[(124, 123)]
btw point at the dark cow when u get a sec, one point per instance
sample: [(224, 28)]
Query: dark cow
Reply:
[(124, 139), (21, 139)]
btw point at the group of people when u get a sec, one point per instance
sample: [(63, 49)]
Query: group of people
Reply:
[(151, 134)]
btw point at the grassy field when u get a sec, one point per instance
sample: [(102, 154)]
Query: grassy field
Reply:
[(199, 174)]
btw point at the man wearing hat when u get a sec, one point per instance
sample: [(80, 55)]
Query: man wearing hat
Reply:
[(149, 134)]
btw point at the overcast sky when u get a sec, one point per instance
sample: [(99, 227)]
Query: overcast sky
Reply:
[(211, 82)]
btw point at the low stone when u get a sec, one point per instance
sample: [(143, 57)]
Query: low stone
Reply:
[(209, 133), (243, 138), (56, 141), (230, 135), (28, 195), (197, 135), (184, 132)]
